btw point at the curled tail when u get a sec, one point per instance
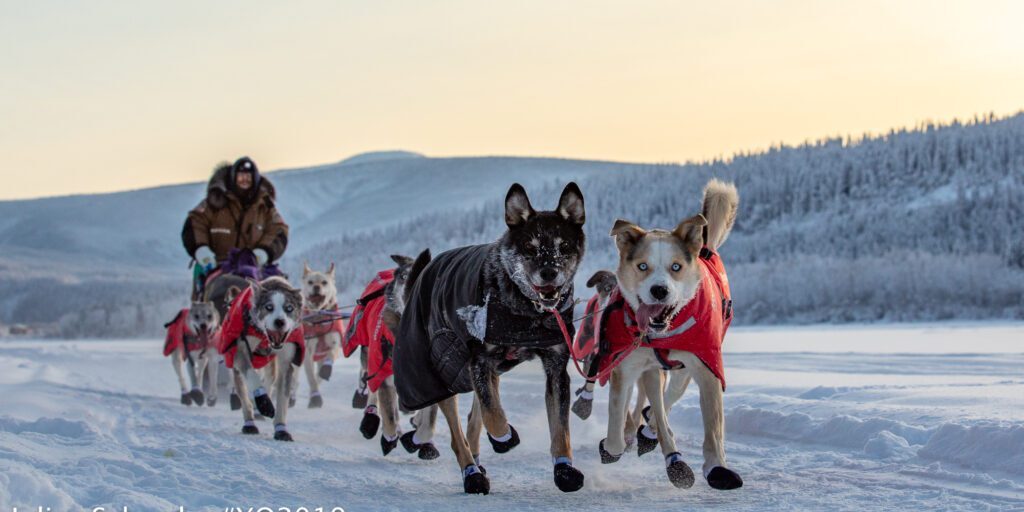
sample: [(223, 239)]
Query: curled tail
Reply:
[(720, 203)]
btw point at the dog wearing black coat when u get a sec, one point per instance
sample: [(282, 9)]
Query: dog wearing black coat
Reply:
[(476, 312)]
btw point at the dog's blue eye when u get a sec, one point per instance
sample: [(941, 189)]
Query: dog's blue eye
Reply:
[(288, 309), (269, 307), (676, 267), (642, 267)]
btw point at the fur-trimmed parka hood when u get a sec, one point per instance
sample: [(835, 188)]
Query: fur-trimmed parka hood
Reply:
[(218, 188)]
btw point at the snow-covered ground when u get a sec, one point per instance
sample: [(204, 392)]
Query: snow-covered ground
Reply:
[(822, 418)]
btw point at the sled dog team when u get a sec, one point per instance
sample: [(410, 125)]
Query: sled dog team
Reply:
[(436, 327)]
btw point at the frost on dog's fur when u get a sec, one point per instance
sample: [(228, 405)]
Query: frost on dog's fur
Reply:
[(475, 318)]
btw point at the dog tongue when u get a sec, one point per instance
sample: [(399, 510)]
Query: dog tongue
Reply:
[(646, 312)]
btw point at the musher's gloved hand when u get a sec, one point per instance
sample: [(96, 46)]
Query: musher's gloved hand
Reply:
[(261, 256), (205, 257)]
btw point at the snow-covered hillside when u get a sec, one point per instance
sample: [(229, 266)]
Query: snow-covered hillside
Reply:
[(913, 225), (925, 417)]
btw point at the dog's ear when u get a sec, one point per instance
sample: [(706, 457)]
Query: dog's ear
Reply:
[(517, 206), (570, 205), (691, 232), (330, 270), (598, 277), (255, 285), (626, 233), (305, 269), (233, 291), (401, 260)]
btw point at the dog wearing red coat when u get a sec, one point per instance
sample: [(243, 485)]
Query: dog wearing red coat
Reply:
[(670, 312)]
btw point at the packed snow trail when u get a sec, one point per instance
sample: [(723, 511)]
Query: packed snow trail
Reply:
[(837, 418)]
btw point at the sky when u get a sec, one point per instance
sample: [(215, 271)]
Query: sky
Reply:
[(113, 95)]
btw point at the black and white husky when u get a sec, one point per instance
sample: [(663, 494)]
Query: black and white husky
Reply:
[(477, 312), (263, 329)]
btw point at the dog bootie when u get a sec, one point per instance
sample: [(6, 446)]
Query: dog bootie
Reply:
[(607, 458), (427, 451), (371, 422), (186, 399), (408, 443), (249, 428), (264, 405), (583, 405), (361, 396), (236, 402), (644, 444), (505, 443), (325, 372), (316, 402), (724, 479), (292, 401), (211, 401), (197, 397), (474, 481), (386, 445), (678, 472), (567, 478), (281, 433)]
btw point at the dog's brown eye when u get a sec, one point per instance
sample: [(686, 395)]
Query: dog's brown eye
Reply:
[(676, 267), (642, 267)]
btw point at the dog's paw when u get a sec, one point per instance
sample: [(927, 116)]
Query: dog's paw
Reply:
[(250, 430), (429, 452), (505, 446), (282, 435), (568, 478), (236, 402), (197, 397), (292, 401), (607, 458), (211, 401), (386, 446), (679, 473), (325, 372), (316, 402), (474, 480), (186, 399), (408, 443), (644, 444), (724, 479), (265, 406), (371, 422), (359, 400), (582, 407)]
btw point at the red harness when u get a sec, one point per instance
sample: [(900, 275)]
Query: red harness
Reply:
[(318, 331), (178, 334), (237, 325), (698, 328), (361, 326)]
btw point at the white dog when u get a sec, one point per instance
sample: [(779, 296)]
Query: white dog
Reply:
[(323, 332)]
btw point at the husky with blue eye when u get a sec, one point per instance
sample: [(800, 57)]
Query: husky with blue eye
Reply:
[(476, 312), (670, 313)]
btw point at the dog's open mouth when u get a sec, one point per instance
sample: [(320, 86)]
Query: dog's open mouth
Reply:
[(277, 338), (549, 295), (316, 300), (655, 317)]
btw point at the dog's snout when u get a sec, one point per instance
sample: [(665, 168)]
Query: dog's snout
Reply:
[(316, 290), (548, 274), (659, 292), (202, 327), (279, 323)]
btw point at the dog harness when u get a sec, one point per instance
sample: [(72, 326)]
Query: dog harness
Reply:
[(238, 324), (698, 328), (318, 331), (358, 333), (178, 333)]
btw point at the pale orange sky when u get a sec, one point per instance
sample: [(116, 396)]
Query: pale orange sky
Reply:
[(112, 95)]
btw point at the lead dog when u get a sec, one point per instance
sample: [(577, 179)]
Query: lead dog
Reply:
[(676, 310), (263, 329), (476, 312)]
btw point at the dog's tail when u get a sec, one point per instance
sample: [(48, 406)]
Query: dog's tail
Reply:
[(720, 203)]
